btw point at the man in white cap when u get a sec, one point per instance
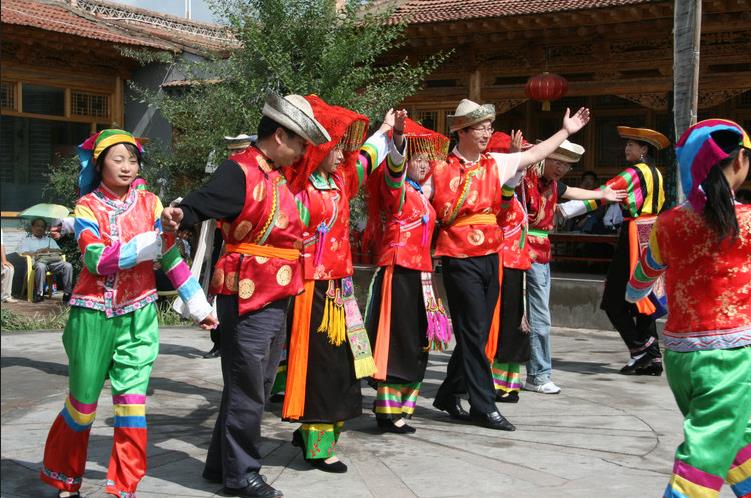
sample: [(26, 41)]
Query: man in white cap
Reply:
[(466, 193), (542, 188), (253, 280)]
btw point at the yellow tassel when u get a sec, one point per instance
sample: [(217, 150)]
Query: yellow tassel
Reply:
[(365, 367), (325, 322), (337, 330)]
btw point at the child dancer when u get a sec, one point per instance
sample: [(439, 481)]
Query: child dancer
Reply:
[(704, 248), (112, 331)]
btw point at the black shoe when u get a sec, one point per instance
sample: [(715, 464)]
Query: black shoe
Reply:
[(453, 406), (256, 488), (388, 425), (338, 467), (652, 367), (37, 298), (66, 298), (213, 477), (214, 353), (492, 420), (628, 368), (509, 397)]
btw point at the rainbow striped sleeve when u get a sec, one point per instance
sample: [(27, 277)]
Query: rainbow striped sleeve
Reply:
[(628, 180), (182, 279), (372, 153), (101, 258), (649, 269)]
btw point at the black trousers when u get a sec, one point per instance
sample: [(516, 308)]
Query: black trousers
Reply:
[(638, 331), (250, 351), (472, 291)]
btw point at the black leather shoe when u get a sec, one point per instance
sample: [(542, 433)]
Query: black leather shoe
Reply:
[(388, 425), (509, 397), (492, 420), (256, 488), (213, 477), (37, 298), (276, 398), (214, 353), (453, 406), (337, 467), (652, 367), (628, 368)]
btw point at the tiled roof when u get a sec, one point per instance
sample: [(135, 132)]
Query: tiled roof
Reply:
[(430, 11), (60, 17)]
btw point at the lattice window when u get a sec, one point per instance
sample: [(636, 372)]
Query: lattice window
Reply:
[(89, 104), (8, 95)]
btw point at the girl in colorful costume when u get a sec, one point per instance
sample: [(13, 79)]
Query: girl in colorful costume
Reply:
[(404, 318), (703, 247), (112, 331), (636, 323), (513, 336), (329, 350)]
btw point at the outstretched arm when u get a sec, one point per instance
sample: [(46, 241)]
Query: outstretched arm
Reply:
[(606, 194), (571, 124)]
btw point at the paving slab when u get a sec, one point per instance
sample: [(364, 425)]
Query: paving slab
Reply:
[(604, 435)]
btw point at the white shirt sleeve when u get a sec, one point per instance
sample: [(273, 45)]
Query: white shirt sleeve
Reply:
[(507, 164), (395, 155)]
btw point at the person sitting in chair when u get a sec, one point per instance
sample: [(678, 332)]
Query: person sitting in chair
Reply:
[(47, 257)]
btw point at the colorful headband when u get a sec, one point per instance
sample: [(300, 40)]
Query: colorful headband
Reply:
[(697, 153), (92, 147)]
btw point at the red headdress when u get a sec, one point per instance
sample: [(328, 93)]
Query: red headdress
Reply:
[(347, 128), (420, 141), (501, 142)]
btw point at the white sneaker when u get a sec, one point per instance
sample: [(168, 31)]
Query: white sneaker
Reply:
[(10, 300), (547, 388)]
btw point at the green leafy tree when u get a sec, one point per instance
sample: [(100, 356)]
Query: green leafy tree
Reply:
[(287, 46)]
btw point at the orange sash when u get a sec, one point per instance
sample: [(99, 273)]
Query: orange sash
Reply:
[(475, 219), (297, 364), (381, 353), (491, 347), (263, 251)]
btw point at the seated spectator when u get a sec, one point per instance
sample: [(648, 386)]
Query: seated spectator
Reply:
[(7, 281), (47, 257)]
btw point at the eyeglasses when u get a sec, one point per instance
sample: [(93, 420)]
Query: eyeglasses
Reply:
[(480, 131)]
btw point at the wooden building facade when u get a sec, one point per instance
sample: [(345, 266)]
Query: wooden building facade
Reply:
[(616, 55)]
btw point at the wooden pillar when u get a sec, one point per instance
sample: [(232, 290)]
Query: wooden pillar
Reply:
[(475, 86)]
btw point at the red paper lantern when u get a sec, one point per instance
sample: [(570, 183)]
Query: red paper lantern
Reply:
[(546, 87)]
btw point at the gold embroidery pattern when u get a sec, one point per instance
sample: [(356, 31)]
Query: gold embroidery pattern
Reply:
[(230, 281), (242, 229), (284, 275), (246, 288)]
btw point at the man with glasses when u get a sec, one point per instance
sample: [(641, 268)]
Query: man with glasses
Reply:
[(466, 194), (542, 188), (253, 280)]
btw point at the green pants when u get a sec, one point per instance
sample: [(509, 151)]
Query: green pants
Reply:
[(713, 391), (122, 349)]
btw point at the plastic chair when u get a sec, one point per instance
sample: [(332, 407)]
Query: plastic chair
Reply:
[(28, 283)]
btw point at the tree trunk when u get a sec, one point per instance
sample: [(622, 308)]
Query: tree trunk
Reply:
[(686, 45)]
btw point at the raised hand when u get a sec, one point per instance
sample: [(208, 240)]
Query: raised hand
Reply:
[(171, 218), (389, 118), (611, 195), (516, 141), (400, 117), (574, 123)]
